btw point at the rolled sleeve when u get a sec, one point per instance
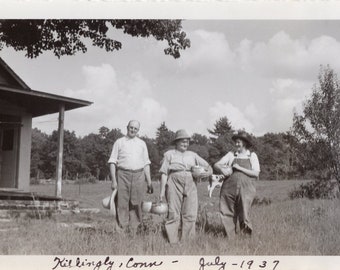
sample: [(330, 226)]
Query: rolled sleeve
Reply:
[(254, 161), (165, 164), (114, 154), (200, 161), (146, 155), (226, 159)]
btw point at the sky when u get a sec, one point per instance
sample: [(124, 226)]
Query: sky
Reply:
[(256, 73)]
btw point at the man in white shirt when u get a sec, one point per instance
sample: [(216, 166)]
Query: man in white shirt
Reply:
[(129, 167)]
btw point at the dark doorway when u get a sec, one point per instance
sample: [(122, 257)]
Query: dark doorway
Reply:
[(9, 149)]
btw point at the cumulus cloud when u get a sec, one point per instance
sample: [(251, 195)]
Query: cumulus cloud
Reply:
[(210, 51), (116, 100), (236, 117), (284, 56), (256, 84)]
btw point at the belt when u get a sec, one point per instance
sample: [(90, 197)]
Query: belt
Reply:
[(127, 170), (175, 171)]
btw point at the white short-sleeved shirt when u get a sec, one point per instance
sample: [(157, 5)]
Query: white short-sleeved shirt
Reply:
[(129, 153), (230, 156)]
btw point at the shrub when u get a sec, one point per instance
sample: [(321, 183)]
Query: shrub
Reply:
[(34, 181), (318, 189), (86, 178), (261, 201)]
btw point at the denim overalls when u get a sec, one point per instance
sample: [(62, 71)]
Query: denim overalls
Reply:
[(236, 197)]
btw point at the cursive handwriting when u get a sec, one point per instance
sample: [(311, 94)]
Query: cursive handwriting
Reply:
[(217, 262), (97, 265), (105, 264), (132, 264)]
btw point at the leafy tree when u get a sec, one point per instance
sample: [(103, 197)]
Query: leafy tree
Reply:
[(66, 37), (201, 150), (221, 141), (221, 127), (38, 140), (274, 156), (154, 156), (199, 139), (92, 148), (164, 137), (73, 157), (319, 125), (97, 149)]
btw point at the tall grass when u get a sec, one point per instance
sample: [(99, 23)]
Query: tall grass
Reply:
[(298, 227)]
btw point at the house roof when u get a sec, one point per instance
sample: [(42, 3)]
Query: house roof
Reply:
[(39, 103), (14, 91)]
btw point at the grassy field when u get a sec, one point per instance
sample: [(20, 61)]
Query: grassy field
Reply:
[(281, 227)]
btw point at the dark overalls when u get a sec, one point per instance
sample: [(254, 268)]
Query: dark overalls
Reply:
[(236, 197)]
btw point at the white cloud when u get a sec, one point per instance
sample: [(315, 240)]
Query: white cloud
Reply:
[(116, 100), (286, 95), (236, 117), (288, 87), (254, 114), (256, 84), (284, 56), (209, 51)]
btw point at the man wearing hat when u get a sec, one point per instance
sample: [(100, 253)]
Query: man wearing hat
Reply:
[(238, 189), (129, 167), (181, 190)]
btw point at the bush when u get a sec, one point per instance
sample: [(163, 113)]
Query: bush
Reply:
[(318, 189), (86, 178), (261, 201), (34, 181)]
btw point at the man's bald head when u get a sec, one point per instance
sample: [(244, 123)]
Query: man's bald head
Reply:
[(133, 128)]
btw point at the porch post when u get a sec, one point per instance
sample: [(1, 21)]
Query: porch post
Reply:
[(60, 150)]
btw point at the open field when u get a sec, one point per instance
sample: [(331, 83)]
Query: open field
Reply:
[(283, 227)]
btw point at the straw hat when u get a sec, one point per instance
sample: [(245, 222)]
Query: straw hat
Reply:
[(181, 134), (109, 202), (244, 136)]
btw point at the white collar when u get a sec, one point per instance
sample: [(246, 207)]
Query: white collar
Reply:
[(247, 153)]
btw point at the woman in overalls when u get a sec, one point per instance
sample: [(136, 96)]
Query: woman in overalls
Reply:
[(238, 189), (181, 191)]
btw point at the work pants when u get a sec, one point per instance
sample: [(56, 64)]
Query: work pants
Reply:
[(183, 206), (131, 187)]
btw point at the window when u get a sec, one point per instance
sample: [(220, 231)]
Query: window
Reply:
[(7, 140)]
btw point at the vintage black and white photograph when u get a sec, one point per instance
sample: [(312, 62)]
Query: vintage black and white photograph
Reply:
[(170, 137)]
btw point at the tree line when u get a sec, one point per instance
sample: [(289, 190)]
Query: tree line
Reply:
[(86, 157), (309, 150)]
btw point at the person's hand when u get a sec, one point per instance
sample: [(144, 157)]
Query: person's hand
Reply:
[(150, 189), (237, 167), (204, 174), (226, 171), (161, 198)]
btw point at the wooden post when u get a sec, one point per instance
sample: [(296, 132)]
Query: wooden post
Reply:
[(60, 150)]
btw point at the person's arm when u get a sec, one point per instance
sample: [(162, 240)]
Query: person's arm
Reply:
[(220, 166), (164, 179), (113, 175), (148, 178), (201, 162), (250, 173), (147, 173), (255, 167), (112, 161), (164, 170)]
